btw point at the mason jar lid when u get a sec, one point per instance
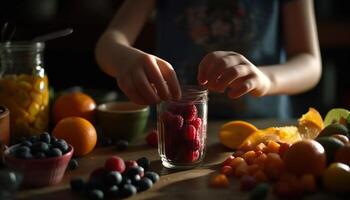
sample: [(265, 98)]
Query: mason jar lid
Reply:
[(22, 46)]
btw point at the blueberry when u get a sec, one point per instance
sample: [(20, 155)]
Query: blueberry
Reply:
[(34, 138), (112, 191), (26, 143), (135, 179), (133, 171), (113, 178), (9, 180), (77, 184), (54, 152), (53, 139), (20, 140), (127, 190), (45, 137), (40, 146), (22, 149), (125, 180), (24, 155), (143, 184), (95, 183), (122, 145), (152, 175), (62, 145), (73, 164), (144, 162), (96, 194), (106, 141), (39, 155)]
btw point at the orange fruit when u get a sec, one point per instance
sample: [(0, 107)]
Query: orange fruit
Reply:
[(74, 104), (287, 134), (233, 133), (305, 157), (78, 132), (310, 124)]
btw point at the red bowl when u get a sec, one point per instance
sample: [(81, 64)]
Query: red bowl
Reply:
[(39, 172)]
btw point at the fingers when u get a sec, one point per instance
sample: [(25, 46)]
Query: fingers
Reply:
[(170, 77), (229, 75), (144, 87), (155, 76), (215, 64), (241, 86)]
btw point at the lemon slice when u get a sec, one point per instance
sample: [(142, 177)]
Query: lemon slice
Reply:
[(336, 115)]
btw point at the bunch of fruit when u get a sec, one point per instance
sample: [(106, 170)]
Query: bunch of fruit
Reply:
[(40, 147), (294, 166), (181, 129), (117, 179)]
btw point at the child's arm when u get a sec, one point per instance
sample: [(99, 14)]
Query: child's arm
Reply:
[(302, 71), (144, 78)]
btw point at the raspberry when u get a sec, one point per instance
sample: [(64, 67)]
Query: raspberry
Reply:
[(130, 163), (98, 173), (152, 138), (177, 122), (191, 156), (195, 145), (115, 163), (197, 122), (166, 117), (190, 133), (189, 112)]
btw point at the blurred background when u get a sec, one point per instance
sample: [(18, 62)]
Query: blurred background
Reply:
[(69, 61)]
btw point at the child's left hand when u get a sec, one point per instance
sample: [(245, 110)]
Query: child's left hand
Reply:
[(221, 70)]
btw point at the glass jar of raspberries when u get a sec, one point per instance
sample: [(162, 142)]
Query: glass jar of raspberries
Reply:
[(182, 127)]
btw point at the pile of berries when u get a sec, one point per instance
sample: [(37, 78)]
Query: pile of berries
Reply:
[(182, 130), (255, 168), (117, 179), (40, 147)]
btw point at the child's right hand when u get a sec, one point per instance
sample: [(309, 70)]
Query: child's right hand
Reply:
[(146, 79)]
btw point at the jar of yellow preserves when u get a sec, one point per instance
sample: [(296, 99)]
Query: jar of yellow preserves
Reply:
[(24, 87)]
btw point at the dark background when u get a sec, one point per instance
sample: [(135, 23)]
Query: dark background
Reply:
[(69, 61)]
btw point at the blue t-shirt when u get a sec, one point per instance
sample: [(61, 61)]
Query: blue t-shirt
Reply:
[(189, 29)]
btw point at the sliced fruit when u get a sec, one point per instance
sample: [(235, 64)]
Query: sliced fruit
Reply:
[(287, 134), (310, 124), (233, 133), (336, 115)]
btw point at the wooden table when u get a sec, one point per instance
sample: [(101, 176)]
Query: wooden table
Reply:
[(187, 184)]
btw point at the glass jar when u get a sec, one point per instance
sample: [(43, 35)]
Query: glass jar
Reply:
[(182, 127), (24, 87)]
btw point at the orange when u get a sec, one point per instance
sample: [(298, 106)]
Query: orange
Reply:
[(310, 124), (286, 134), (305, 157), (74, 104), (233, 133), (78, 132)]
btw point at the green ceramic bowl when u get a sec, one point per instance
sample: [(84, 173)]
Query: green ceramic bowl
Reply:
[(122, 120)]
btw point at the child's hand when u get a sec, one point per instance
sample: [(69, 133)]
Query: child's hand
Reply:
[(148, 79), (222, 70)]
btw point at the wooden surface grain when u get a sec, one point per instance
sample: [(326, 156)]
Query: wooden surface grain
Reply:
[(173, 184)]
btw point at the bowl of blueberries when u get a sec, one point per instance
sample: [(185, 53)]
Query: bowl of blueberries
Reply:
[(41, 159)]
